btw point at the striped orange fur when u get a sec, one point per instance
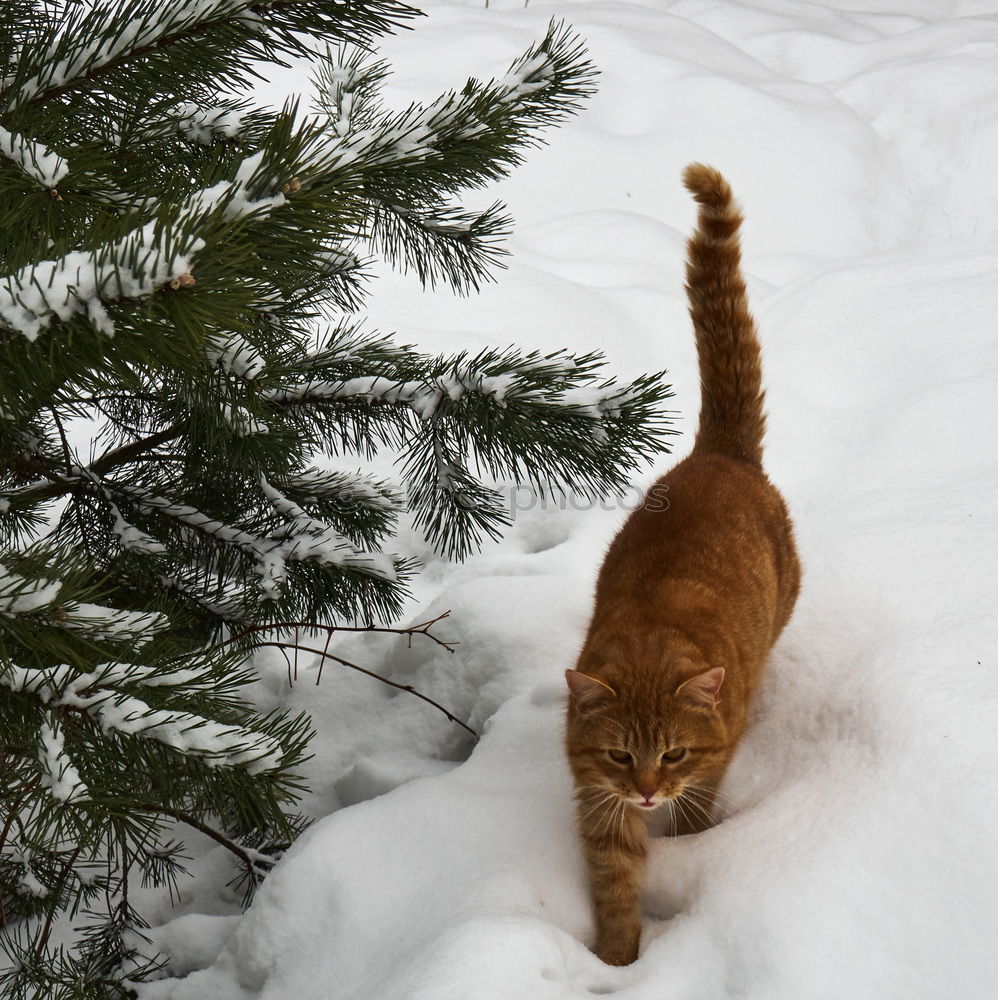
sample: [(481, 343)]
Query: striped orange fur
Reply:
[(689, 602)]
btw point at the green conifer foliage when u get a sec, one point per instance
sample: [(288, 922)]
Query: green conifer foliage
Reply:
[(183, 270)]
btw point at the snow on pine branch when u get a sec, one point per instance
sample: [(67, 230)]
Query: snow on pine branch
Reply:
[(412, 135), (424, 398), (350, 488), (29, 881), (132, 539), (219, 744), (421, 398), (531, 75), (113, 624), (206, 125), (74, 55), (235, 356), (42, 166), (539, 87), (232, 195), (132, 267), (59, 774), (309, 539), (242, 423), (225, 607), (22, 596), (83, 281)]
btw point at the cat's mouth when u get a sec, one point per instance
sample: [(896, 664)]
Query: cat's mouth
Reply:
[(648, 804)]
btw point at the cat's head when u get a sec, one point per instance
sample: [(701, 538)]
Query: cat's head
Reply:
[(645, 743)]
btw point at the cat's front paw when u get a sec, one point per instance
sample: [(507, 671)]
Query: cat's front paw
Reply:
[(617, 952)]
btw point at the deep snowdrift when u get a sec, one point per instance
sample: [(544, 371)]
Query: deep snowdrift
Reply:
[(858, 854)]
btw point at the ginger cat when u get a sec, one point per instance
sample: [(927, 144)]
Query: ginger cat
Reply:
[(689, 602)]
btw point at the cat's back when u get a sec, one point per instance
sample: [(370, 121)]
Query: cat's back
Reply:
[(714, 521)]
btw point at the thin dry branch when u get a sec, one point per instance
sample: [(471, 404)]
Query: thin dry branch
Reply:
[(422, 628), (326, 655)]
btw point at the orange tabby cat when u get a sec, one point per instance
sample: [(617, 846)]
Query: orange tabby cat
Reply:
[(689, 602)]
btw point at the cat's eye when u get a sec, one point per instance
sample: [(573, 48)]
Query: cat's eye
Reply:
[(619, 756), (676, 753)]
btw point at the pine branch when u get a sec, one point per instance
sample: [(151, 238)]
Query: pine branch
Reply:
[(62, 484), (156, 28), (195, 824)]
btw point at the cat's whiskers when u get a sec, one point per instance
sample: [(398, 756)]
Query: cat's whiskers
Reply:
[(594, 810), (721, 797), (604, 819), (696, 808), (710, 797), (611, 821), (602, 800), (682, 809)]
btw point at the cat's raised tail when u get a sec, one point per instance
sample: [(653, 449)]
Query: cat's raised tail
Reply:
[(732, 421)]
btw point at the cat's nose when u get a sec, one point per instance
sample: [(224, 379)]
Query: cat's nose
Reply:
[(646, 786)]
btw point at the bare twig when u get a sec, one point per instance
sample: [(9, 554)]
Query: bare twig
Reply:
[(421, 628), (326, 655), (318, 675)]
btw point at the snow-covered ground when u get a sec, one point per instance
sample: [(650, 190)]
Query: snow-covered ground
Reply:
[(858, 853)]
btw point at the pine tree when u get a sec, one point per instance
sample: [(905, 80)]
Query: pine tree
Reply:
[(183, 271)]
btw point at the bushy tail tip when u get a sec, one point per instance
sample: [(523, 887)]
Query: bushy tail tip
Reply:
[(711, 191)]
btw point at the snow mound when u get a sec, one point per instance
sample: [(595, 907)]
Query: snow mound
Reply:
[(856, 854)]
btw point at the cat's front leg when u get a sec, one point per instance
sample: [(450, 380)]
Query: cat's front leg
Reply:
[(615, 844)]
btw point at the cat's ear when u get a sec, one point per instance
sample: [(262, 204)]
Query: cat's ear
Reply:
[(703, 688), (587, 691)]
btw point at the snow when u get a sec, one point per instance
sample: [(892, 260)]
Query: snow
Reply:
[(206, 125), (235, 355), (190, 734), (516, 84), (116, 624), (40, 164), (21, 596), (311, 539), (117, 711), (29, 880), (420, 397), (351, 488), (132, 538), (856, 854), (232, 194), (59, 773), (82, 281), (417, 132), (69, 59), (424, 398), (242, 422)]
